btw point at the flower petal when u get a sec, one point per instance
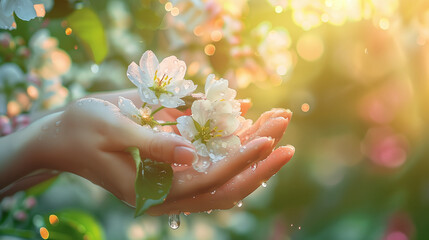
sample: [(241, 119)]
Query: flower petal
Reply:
[(8, 6), (172, 67), (170, 101), (228, 123), (220, 147), (6, 21), (133, 73), (149, 64), (186, 127), (182, 87), (147, 95), (201, 148), (24, 9), (128, 108), (218, 90), (201, 111)]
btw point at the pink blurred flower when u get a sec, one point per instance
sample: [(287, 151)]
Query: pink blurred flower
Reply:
[(385, 147)]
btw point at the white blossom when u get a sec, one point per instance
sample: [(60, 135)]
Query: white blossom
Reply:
[(214, 121), (140, 116), (160, 83), (24, 9)]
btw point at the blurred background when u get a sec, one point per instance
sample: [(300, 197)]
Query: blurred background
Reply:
[(354, 72)]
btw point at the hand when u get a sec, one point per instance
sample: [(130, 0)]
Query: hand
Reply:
[(231, 179), (89, 139)]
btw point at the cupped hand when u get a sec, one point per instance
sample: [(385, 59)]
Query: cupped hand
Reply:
[(231, 179)]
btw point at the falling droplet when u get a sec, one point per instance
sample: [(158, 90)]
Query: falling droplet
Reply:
[(174, 221), (209, 211), (213, 192), (186, 213), (254, 166), (264, 184), (58, 123), (240, 203)]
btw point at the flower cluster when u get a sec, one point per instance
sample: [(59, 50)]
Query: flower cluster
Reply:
[(215, 114)]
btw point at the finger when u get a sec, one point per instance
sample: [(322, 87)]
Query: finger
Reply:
[(274, 113), (120, 133), (273, 127), (162, 146), (113, 96), (233, 191), (189, 181), (245, 105)]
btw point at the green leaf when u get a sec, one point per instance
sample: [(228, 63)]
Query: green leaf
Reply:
[(153, 182), (74, 224), (197, 126), (41, 187), (87, 26)]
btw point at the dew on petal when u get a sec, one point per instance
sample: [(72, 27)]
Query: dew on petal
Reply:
[(264, 184), (209, 211), (239, 203)]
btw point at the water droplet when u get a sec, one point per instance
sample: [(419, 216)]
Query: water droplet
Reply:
[(242, 148), (299, 227), (201, 165), (254, 166), (240, 203), (213, 192), (264, 184), (44, 128), (89, 100), (291, 225), (209, 211), (186, 213), (58, 123), (174, 221)]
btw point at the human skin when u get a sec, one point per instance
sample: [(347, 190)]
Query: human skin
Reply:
[(88, 138)]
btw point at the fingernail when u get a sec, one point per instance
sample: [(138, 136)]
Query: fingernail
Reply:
[(185, 155)]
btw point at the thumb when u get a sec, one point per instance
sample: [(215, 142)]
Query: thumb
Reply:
[(162, 146)]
